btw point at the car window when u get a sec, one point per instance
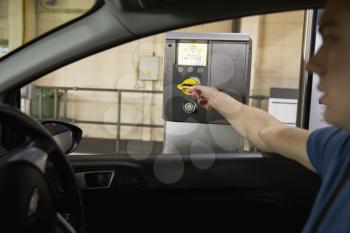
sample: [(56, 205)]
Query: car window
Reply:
[(22, 21), (116, 96)]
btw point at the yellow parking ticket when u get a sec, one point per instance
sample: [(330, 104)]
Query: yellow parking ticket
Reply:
[(186, 85)]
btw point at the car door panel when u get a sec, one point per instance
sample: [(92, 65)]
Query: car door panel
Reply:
[(268, 193)]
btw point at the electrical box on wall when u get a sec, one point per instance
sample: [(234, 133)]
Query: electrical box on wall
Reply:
[(221, 60), (149, 68)]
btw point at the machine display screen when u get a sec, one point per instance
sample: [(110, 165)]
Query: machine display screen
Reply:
[(192, 54)]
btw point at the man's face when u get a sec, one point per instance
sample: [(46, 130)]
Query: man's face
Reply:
[(332, 63)]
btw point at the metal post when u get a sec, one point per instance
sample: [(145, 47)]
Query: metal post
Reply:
[(65, 104), (258, 100), (306, 52), (55, 103), (118, 122), (40, 104)]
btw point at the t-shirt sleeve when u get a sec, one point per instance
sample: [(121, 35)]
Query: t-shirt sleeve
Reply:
[(318, 146)]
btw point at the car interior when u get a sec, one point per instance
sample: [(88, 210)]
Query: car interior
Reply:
[(49, 184)]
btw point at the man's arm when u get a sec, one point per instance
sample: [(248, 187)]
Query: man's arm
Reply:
[(260, 128)]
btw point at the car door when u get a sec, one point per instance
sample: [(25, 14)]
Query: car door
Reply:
[(244, 190)]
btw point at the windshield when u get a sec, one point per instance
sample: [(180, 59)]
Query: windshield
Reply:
[(22, 21)]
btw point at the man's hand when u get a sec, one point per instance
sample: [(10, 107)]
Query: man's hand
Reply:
[(205, 96)]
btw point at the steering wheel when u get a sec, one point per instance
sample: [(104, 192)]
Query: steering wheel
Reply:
[(37, 186)]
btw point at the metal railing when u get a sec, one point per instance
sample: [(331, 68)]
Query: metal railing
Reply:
[(65, 90), (259, 99)]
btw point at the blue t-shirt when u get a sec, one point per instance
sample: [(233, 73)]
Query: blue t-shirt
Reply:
[(329, 152)]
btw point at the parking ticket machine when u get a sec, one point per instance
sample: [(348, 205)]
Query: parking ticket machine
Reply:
[(221, 60)]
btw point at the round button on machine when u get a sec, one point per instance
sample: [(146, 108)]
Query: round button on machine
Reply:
[(190, 107)]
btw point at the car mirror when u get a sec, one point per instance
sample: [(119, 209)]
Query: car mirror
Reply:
[(66, 135)]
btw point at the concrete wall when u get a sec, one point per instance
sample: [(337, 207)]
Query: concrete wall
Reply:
[(277, 45), (23, 20), (50, 16), (4, 21), (11, 24)]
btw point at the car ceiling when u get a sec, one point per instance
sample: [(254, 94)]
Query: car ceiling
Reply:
[(115, 22)]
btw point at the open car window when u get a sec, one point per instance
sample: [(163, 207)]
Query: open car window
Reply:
[(23, 21), (116, 96)]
